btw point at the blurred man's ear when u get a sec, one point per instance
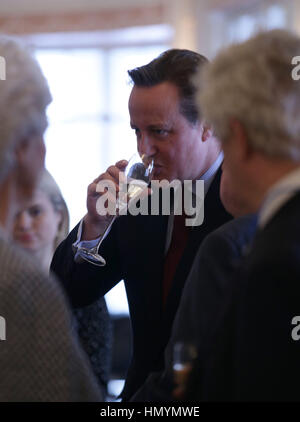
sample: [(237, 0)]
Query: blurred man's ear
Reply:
[(207, 132), (29, 156), (241, 143), (21, 151), (30, 152)]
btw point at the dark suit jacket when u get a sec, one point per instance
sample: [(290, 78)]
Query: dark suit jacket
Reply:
[(134, 251), (253, 356), (210, 278)]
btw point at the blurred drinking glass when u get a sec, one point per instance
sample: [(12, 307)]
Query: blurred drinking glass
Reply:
[(184, 355)]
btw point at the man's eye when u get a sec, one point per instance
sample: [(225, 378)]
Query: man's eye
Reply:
[(137, 132), (35, 211), (161, 132)]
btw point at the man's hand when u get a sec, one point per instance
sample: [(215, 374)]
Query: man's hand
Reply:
[(93, 223)]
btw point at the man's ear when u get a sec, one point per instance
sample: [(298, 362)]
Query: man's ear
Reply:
[(21, 151), (61, 220), (207, 132), (243, 149)]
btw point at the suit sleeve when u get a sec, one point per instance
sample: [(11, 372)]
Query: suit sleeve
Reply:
[(84, 283)]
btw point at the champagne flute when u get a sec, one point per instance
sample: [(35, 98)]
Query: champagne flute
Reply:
[(138, 174)]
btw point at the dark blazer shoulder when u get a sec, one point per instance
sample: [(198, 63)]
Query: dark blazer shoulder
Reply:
[(234, 234)]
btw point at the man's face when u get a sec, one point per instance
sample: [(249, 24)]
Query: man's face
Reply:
[(164, 134)]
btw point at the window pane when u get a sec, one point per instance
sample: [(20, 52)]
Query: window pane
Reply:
[(74, 158), (120, 61), (276, 17), (76, 81)]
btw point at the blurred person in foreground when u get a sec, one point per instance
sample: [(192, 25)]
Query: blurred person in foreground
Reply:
[(249, 96), (153, 254), (39, 228), (40, 359)]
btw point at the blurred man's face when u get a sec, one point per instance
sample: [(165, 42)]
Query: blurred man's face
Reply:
[(164, 134), (30, 163)]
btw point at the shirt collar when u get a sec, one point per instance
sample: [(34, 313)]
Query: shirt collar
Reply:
[(278, 195), (209, 175)]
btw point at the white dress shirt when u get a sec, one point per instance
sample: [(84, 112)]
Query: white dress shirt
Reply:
[(278, 195)]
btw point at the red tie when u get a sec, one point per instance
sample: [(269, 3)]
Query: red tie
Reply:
[(178, 243)]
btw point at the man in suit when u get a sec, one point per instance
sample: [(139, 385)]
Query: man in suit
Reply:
[(154, 253), (253, 354)]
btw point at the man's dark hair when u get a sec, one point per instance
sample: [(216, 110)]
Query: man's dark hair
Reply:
[(177, 67)]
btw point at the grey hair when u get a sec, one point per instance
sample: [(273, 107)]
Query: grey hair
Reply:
[(50, 188), (24, 96), (252, 82)]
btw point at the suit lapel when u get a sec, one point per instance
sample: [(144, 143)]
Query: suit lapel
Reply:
[(157, 229), (148, 235)]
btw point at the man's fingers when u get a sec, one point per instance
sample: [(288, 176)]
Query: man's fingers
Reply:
[(121, 164), (92, 189), (102, 178), (112, 172)]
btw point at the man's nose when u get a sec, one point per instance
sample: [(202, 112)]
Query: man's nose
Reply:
[(23, 221), (146, 146)]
